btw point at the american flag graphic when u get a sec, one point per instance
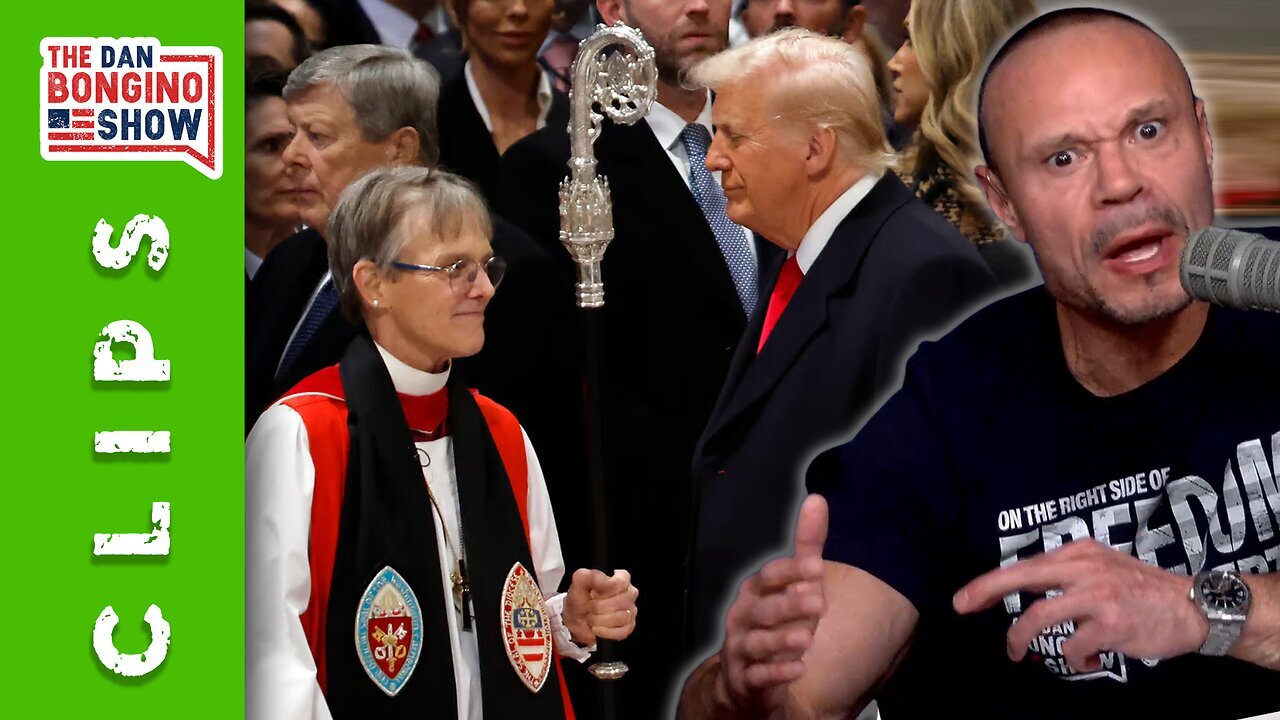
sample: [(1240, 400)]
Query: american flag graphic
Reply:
[(70, 124)]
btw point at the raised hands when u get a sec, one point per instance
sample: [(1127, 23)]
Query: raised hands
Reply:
[(1117, 602), (771, 623)]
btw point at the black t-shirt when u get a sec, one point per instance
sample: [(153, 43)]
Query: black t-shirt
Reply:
[(993, 452)]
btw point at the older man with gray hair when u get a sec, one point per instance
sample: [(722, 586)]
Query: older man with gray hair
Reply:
[(868, 271), (356, 108)]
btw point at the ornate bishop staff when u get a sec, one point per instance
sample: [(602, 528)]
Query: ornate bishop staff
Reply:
[(614, 71)]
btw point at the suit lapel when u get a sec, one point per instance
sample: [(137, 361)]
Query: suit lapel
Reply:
[(640, 166), (277, 309), (745, 354), (329, 342), (806, 315), (471, 147)]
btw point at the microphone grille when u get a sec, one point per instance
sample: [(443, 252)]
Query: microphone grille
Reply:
[(1206, 259), (1223, 250), (1232, 267), (1260, 280), (1199, 245), (1219, 282)]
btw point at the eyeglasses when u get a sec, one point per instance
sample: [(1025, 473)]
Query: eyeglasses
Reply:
[(463, 273)]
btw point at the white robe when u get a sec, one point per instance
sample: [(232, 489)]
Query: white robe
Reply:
[(280, 673)]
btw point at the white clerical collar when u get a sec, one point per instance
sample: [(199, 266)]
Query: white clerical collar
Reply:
[(410, 380), (667, 126), (825, 226), (544, 97), (395, 26)]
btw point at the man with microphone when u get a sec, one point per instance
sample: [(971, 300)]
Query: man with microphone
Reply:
[(1072, 506)]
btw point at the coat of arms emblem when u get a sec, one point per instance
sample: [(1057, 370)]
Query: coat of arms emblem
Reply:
[(388, 631), (526, 628)]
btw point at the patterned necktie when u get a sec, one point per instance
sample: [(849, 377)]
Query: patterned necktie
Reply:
[(325, 302), (710, 197)]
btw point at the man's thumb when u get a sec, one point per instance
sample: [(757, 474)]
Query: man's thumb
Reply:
[(811, 527)]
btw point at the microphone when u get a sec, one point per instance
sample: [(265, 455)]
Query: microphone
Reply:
[(1233, 268)]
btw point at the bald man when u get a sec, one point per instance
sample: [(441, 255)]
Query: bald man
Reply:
[(1069, 509)]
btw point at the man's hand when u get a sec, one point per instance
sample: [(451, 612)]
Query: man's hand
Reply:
[(1118, 603), (599, 606), (771, 624)]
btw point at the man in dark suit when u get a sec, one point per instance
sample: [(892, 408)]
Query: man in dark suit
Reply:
[(398, 23), (292, 327), (680, 281), (869, 269)]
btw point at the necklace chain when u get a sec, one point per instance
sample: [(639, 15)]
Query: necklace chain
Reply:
[(461, 588)]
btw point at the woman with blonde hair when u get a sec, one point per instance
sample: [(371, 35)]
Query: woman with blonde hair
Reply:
[(936, 75)]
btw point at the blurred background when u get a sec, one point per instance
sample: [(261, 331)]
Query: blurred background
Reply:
[(1233, 50)]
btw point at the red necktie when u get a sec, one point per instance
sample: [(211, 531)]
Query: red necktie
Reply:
[(423, 34), (788, 280)]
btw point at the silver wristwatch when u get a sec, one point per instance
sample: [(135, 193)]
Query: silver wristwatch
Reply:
[(1224, 599)]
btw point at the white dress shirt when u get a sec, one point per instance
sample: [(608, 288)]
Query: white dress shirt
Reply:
[(824, 227), (738, 34), (397, 27), (251, 263), (666, 127), (280, 672), (543, 97)]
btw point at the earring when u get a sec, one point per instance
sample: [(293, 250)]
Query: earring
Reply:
[(375, 302)]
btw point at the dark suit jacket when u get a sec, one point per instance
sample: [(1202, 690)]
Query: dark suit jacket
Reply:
[(348, 24), (444, 53), (276, 300), (466, 147), (1011, 262), (670, 322), (892, 271)]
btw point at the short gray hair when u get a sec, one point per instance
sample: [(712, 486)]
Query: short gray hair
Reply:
[(387, 89), (814, 78), (368, 221)]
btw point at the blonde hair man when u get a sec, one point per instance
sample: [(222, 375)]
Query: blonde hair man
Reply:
[(1061, 514), (868, 270)]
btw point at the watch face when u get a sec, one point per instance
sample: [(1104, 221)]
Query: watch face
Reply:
[(1223, 592)]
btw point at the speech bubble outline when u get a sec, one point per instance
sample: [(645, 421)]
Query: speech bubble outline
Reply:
[(205, 153)]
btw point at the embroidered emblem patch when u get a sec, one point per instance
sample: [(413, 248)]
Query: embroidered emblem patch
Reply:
[(388, 631), (526, 628)]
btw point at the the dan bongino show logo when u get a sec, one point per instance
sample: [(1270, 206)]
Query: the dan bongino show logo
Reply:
[(131, 99)]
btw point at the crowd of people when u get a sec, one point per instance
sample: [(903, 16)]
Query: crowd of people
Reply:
[(819, 186)]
